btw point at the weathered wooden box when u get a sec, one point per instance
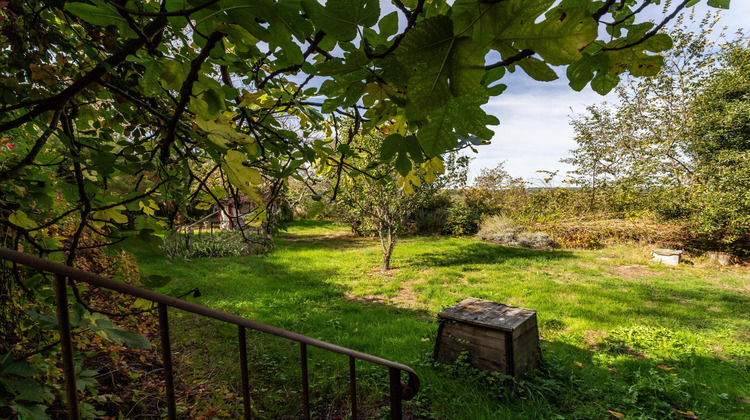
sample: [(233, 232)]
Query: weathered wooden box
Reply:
[(497, 337)]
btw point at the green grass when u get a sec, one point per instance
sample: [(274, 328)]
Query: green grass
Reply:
[(618, 332)]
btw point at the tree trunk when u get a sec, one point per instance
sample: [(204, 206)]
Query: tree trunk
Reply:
[(387, 242)]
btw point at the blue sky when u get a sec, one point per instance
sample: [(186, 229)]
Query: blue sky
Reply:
[(534, 131)]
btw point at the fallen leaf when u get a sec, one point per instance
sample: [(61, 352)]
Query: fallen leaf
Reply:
[(426, 339), (615, 413), (666, 367), (686, 414), (743, 400), (580, 365)]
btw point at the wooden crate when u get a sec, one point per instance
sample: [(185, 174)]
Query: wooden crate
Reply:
[(497, 337)]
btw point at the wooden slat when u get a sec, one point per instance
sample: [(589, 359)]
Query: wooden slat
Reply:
[(487, 314), (486, 347)]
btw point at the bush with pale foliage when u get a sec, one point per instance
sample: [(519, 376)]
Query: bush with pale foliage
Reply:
[(502, 230)]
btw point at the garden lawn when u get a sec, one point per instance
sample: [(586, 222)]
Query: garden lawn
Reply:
[(622, 337)]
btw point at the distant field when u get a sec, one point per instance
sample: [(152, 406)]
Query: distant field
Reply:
[(620, 334)]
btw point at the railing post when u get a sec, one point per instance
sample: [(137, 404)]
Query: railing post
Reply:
[(243, 370), (166, 353), (305, 383), (395, 380), (353, 385), (66, 347)]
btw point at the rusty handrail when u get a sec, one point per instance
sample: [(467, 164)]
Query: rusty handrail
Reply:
[(407, 390)]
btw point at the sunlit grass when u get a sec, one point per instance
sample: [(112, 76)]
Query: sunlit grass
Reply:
[(619, 332)]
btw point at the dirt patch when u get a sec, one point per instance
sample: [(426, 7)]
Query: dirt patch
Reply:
[(332, 239), (406, 298), (291, 237), (381, 273), (632, 272), (369, 299), (594, 337)]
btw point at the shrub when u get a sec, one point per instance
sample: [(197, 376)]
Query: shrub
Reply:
[(430, 221), (505, 231), (461, 220), (579, 238), (220, 244)]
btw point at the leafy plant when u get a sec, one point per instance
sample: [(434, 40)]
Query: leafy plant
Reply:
[(461, 220), (218, 244)]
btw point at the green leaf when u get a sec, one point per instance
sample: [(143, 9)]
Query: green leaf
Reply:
[(46, 322), (722, 4), (604, 82), (558, 39), (102, 14), (20, 218), (403, 164), (114, 215), (8, 366), (30, 412), (102, 325), (28, 389), (390, 146), (658, 43), (499, 21), (537, 69), (582, 71), (388, 25), (354, 61), (398, 146), (414, 149), (637, 62), (434, 56), (173, 75), (461, 116), (215, 100), (341, 18), (244, 178)]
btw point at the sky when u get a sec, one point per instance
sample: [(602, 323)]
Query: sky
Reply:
[(534, 131)]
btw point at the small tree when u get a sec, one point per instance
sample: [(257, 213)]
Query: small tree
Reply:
[(374, 201), (644, 139)]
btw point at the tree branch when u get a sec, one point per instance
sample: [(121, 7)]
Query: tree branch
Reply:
[(510, 60), (186, 91), (185, 12), (38, 145), (59, 100), (653, 31)]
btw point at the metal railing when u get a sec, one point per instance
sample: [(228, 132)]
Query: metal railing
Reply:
[(398, 390)]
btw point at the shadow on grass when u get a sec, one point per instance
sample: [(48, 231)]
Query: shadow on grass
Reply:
[(485, 253), (572, 378), (691, 309), (301, 298), (335, 240)]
